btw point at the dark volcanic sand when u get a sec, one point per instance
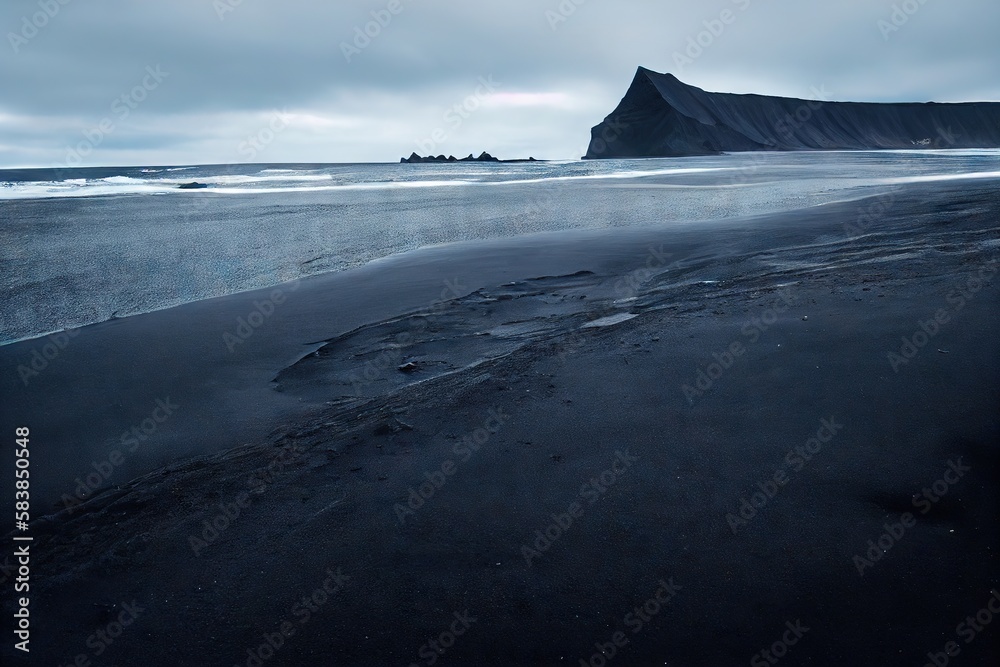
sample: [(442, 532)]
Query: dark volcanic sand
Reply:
[(574, 401)]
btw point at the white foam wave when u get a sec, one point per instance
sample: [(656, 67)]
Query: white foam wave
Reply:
[(622, 174), (55, 189), (291, 181), (122, 180), (386, 185), (241, 179), (930, 178), (277, 181)]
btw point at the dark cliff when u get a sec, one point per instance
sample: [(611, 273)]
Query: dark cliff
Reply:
[(662, 117)]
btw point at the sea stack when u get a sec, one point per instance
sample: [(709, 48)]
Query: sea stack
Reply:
[(417, 159), (660, 116), (483, 157)]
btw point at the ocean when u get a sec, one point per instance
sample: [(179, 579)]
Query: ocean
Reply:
[(85, 245)]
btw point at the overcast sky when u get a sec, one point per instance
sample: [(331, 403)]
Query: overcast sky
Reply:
[(148, 82)]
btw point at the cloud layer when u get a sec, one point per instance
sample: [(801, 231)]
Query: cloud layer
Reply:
[(371, 81)]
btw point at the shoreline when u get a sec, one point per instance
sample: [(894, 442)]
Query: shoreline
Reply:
[(234, 248)]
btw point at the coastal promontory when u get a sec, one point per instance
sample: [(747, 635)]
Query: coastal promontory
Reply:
[(660, 116)]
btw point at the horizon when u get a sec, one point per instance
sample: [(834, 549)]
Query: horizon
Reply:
[(144, 165), (237, 82)]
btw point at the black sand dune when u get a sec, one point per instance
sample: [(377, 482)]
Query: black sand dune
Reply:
[(662, 117), (671, 444)]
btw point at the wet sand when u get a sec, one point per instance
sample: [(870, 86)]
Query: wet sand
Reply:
[(563, 461)]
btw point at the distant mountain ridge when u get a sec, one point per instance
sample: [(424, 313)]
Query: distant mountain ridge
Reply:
[(660, 116)]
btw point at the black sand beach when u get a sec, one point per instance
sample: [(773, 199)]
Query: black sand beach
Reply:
[(681, 445)]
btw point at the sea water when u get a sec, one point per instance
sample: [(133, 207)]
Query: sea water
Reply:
[(79, 246)]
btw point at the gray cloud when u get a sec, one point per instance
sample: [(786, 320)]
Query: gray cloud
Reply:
[(556, 78)]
